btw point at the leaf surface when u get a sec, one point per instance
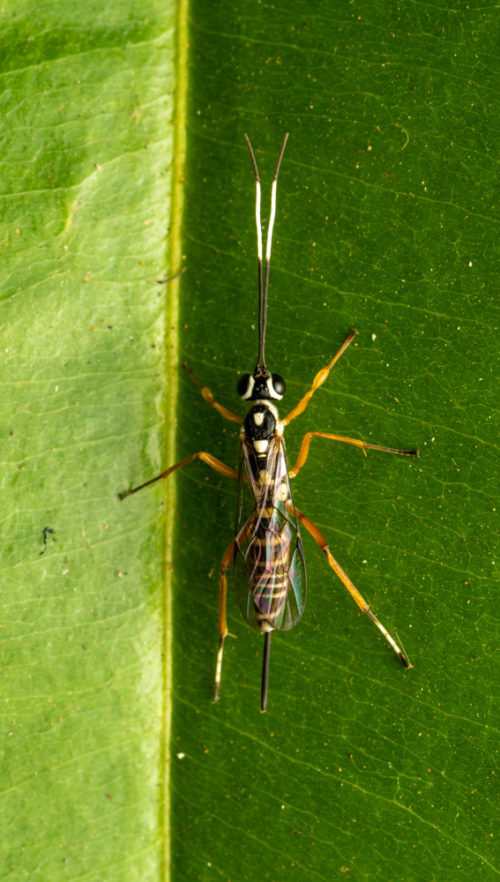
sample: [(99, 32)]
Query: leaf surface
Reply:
[(84, 201), (386, 222)]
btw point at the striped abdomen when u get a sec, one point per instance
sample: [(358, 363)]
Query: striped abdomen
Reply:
[(269, 558), (269, 563)]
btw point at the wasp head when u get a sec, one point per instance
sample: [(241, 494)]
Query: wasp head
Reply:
[(261, 386)]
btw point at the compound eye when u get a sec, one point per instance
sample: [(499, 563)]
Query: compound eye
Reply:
[(245, 386), (279, 385)]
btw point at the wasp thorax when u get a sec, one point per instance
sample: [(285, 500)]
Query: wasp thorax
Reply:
[(258, 387), (260, 424)]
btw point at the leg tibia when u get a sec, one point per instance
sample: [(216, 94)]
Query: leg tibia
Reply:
[(207, 458), (209, 398), (363, 445), (353, 591), (318, 381), (223, 632)]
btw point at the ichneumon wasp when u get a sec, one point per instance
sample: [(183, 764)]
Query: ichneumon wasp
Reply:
[(266, 551)]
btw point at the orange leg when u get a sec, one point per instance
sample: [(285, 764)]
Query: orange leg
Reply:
[(223, 632), (364, 445), (209, 398), (227, 557), (210, 460), (318, 381), (353, 591)]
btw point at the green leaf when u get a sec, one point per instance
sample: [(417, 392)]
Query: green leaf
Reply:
[(385, 222), (86, 103)]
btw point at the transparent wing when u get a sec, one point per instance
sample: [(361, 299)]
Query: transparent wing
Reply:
[(269, 570)]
